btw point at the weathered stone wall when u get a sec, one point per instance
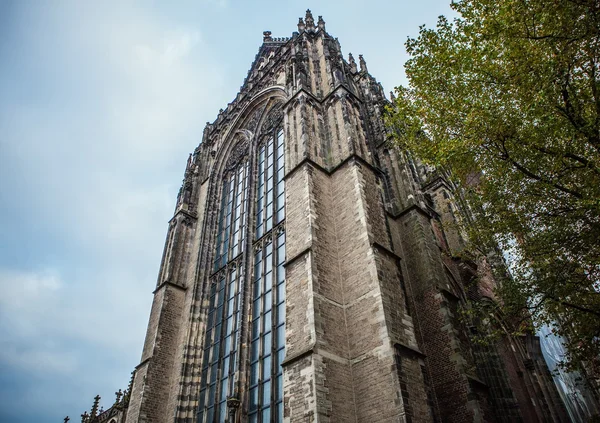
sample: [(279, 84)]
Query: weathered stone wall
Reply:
[(156, 377)]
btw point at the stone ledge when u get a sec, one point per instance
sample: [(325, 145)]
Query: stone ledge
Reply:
[(326, 97), (297, 93), (329, 172), (143, 363), (477, 383), (408, 351), (167, 283), (435, 183), (297, 256), (346, 88), (386, 250), (306, 352), (407, 210), (191, 215), (449, 293)]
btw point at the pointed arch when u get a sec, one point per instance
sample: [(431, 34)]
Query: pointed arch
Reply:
[(249, 161)]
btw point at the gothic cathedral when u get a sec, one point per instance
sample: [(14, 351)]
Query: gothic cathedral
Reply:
[(311, 271)]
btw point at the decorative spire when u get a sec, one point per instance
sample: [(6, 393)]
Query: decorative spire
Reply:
[(127, 394), (267, 36), (392, 96), (352, 62), (363, 64), (301, 25), (310, 22), (94, 410), (130, 385), (85, 417), (67, 419), (119, 395), (321, 23)]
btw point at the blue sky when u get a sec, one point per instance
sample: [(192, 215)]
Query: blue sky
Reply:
[(100, 104)]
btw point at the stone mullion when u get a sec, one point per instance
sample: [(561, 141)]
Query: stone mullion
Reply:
[(245, 280), (227, 225), (210, 250), (199, 307)]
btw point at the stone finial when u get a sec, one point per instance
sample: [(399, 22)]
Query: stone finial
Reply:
[(127, 393), (321, 23), (392, 96), (363, 64), (352, 62), (66, 420), (119, 395), (301, 25), (310, 22), (130, 385), (94, 410), (267, 36), (85, 417)]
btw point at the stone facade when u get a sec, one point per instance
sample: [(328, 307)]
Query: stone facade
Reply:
[(374, 287)]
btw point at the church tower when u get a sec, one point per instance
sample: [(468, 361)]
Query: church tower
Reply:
[(310, 273)]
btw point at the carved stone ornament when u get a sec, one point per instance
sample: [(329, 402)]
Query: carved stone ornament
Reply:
[(238, 153), (280, 229), (253, 121), (273, 119)]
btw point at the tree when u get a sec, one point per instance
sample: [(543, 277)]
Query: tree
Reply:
[(507, 98)]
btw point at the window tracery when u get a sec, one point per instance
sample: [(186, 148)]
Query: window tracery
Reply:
[(267, 282), (267, 344)]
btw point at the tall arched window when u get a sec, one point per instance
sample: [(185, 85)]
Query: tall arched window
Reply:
[(266, 334), (221, 342), (267, 347)]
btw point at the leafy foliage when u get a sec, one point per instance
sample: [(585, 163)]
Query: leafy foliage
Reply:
[(507, 97)]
